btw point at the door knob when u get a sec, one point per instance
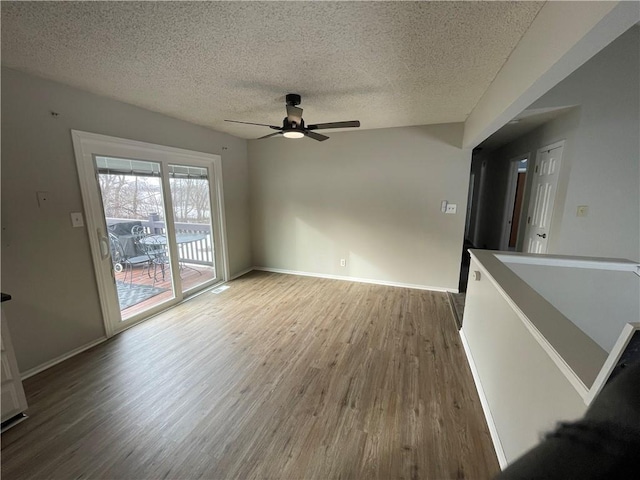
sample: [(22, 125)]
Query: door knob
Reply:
[(544, 235)]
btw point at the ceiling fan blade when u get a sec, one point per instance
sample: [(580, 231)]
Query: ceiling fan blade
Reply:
[(321, 126), (270, 135), (294, 114), (251, 123), (316, 136)]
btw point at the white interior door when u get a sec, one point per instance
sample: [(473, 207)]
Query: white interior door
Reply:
[(543, 188), (142, 272)]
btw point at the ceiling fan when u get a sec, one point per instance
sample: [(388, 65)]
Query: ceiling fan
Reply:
[(293, 125)]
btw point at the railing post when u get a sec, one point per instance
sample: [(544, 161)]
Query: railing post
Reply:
[(153, 218)]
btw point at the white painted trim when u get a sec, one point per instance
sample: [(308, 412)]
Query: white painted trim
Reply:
[(356, 279), (479, 204), (612, 360), (549, 261), (562, 365), (42, 367), (94, 230), (493, 431), (509, 206), (85, 146), (552, 146), (222, 220), (241, 273)]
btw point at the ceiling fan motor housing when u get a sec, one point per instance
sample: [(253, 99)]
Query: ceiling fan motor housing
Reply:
[(287, 125), (293, 99)]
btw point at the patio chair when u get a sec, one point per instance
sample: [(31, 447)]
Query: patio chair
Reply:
[(138, 232), (122, 262), (155, 246)]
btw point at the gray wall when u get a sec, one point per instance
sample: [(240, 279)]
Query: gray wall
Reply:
[(371, 197), (46, 264), (601, 166)]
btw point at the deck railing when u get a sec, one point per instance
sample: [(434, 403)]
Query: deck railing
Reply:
[(198, 252)]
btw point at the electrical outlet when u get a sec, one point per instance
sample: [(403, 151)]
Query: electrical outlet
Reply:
[(451, 208), (43, 198), (343, 262)]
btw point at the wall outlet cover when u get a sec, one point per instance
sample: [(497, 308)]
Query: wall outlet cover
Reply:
[(582, 211), (43, 198), (77, 220), (451, 208)]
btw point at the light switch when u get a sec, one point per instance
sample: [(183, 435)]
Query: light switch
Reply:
[(476, 275), (77, 220), (451, 208), (582, 211)]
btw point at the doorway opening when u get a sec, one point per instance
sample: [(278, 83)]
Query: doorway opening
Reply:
[(513, 202)]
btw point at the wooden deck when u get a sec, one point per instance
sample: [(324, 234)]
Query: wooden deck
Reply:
[(191, 276)]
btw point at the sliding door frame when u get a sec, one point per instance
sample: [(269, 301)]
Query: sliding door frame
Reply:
[(89, 145)]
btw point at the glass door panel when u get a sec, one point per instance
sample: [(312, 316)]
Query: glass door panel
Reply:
[(134, 210), (191, 198)]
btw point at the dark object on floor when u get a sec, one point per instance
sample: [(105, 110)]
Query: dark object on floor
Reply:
[(129, 295), (603, 445)]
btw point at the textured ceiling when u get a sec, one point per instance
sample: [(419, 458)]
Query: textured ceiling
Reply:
[(385, 63)]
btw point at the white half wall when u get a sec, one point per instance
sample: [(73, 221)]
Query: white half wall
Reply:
[(46, 264), (370, 197)]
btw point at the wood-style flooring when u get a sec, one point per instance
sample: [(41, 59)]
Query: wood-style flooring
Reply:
[(278, 377)]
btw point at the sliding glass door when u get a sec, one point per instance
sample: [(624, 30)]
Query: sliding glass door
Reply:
[(134, 215), (191, 199), (155, 222)]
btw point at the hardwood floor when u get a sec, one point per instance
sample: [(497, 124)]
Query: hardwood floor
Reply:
[(279, 377)]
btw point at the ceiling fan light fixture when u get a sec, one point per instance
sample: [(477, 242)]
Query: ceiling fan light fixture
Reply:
[(293, 125), (293, 134)]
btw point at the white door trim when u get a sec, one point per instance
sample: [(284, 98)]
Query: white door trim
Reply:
[(479, 202), (86, 145), (512, 183)]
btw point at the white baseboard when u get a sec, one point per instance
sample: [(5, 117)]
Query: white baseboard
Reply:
[(40, 368), (355, 279), (497, 445), (243, 272)]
